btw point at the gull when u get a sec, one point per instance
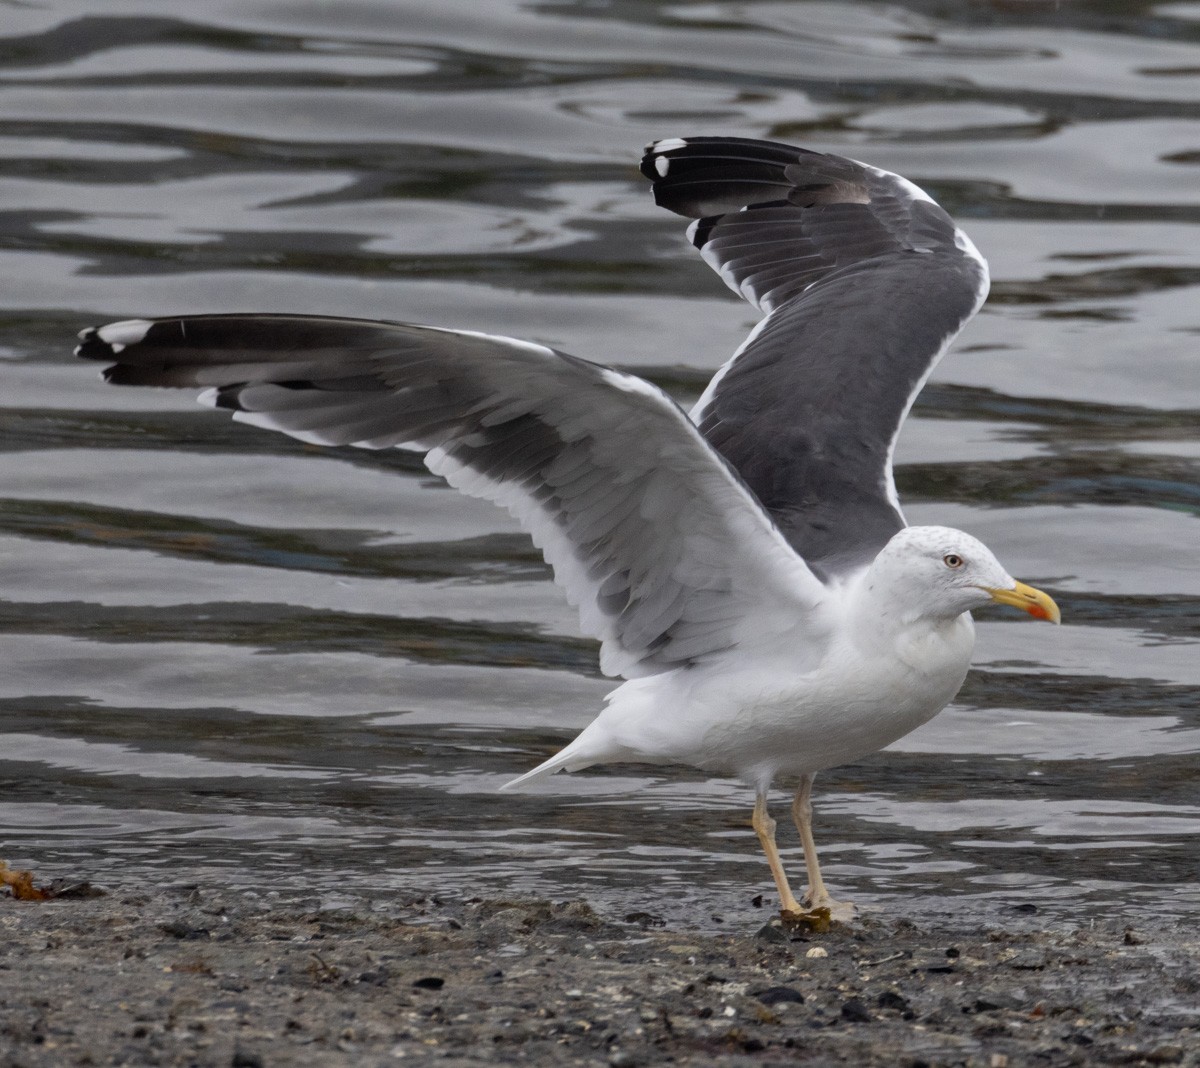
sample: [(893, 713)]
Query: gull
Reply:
[(746, 567)]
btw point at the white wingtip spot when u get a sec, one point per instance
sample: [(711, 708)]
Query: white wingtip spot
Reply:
[(208, 397), (662, 165), (126, 332), (668, 144)]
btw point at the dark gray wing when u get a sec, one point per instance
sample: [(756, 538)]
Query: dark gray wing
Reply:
[(657, 541), (865, 282)]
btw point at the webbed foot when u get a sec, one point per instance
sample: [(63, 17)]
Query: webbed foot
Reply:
[(819, 917)]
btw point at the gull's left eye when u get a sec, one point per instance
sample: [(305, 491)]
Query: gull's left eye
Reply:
[(953, 560)]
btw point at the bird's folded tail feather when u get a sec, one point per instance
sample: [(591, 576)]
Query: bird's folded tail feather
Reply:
[(590, 747), (564, 760)]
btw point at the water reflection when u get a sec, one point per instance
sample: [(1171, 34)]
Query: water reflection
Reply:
[(230, 656)]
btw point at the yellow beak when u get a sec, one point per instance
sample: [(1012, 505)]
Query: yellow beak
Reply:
[(1037, 604)]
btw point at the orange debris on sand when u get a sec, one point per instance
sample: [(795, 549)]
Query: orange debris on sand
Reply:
[(21, 883)]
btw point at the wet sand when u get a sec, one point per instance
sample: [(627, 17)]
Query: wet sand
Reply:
[(202, 976)]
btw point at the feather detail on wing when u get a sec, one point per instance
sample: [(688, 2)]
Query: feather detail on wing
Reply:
[(865, 282), (657, 541)]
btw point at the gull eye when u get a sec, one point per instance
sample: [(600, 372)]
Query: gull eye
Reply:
[(953, 560)]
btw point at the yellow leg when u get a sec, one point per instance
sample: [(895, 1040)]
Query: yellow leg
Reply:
[(764, 827), (817, 896)]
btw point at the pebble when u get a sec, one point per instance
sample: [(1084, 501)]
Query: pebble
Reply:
[(855, 1011), (993, 1000), (649, 998), (938, 965), (779, 995), (508, 920), (184, 930), (889, 999)]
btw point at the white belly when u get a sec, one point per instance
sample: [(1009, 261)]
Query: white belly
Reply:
[(772, 721)]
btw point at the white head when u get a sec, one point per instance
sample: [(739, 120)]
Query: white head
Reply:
[(937, 573)]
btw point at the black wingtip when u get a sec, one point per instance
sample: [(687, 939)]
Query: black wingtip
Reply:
[(701, 177), (228, 397), (92, 346)]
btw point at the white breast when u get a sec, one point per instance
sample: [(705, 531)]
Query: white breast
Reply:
[(773, 721)]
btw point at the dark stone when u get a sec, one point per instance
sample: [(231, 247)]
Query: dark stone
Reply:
[(993, 1000), (430, 982), (889, 999), (244, 1058), (645, 919), (375, 977), (778, 995), (855, 1011), (186, 931), (770, 933)]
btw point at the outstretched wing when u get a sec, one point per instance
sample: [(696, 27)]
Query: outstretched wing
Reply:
[(656, 540), (865, 282)]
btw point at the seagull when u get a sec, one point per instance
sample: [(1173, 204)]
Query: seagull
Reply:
[(746, 567)]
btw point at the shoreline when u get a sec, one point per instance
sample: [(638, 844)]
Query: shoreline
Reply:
[(211, 976)]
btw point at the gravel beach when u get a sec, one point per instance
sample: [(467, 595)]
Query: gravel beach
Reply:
[(207, 976)]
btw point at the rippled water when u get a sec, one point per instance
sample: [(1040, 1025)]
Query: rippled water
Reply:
[(229, 656)]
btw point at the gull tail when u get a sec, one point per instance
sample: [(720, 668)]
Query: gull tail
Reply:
[(569, 759), (594, 745), (605, 740)]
